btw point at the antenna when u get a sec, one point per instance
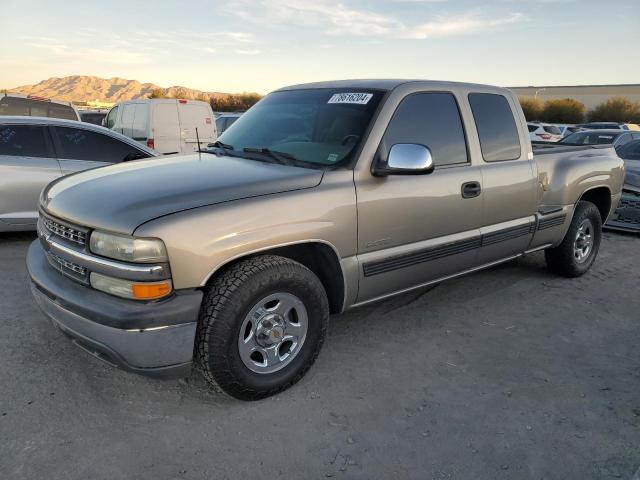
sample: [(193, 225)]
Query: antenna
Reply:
[(198, 140)]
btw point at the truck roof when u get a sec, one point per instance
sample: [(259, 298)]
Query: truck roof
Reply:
[(385, 84)]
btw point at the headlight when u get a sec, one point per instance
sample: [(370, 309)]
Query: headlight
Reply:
[(128, 249), (130, 289)]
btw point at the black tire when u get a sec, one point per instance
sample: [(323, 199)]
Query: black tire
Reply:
[(227, 302), (562, 259)]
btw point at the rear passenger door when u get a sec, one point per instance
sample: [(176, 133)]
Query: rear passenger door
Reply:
[(165, 127), (509, 177), (413, 229), (27, 165), (195, 116), (79, 149)]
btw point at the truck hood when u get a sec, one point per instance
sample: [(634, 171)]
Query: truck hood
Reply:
[(121, 197)]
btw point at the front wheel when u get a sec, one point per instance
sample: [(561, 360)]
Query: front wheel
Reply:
[(577, 252), (262, 324)]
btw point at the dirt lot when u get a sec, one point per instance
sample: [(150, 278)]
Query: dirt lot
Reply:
[(510, 373)]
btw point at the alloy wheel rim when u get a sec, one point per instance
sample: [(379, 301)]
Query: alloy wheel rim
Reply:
[(273, 332), (583, 243)]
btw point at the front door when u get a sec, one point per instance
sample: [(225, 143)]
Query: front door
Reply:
[(416, 228)]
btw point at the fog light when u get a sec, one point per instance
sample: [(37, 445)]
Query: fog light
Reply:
[(129, 289)]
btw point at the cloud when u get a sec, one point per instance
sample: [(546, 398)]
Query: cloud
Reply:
[(459, 25), (85, 53), (253, 51), (342, 20)]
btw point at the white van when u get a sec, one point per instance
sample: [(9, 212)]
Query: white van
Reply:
[(167, 125)]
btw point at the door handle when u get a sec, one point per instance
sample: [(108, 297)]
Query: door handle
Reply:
[(471, 189)]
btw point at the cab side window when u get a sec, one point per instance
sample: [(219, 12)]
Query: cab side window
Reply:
[(496, 127), (430, 119)]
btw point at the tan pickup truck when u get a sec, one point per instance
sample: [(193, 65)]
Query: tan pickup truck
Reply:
[(320, 198)]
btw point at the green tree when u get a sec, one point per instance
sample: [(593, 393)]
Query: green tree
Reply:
[(616, 109), (532, 108), (566, 110), (157, 93)]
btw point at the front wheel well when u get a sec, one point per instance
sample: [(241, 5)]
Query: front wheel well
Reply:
[(601, 198), (318, 257)]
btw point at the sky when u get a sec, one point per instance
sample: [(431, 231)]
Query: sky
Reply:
[(261, 45)]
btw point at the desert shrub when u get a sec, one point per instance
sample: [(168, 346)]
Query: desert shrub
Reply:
[(234, 102), (157, 93), (532, 108), (566, 110), (616, 109)]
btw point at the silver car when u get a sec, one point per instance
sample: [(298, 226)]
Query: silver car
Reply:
[(36, 150)]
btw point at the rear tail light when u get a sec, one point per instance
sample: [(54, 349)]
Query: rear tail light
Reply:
[(151, 143), (182, 101), (544, 136)]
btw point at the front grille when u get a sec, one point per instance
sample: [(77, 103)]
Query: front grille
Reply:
[(66, 264), (64, 230)]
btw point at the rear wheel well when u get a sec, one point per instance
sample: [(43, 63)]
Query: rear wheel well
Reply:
[(318, 257), (601, 198)]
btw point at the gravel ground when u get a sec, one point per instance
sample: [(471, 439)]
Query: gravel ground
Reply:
[(510, 373)]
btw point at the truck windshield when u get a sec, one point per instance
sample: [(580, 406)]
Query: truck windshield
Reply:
[(322, 127)]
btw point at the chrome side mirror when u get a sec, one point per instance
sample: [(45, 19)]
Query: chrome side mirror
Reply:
[(406, 159)]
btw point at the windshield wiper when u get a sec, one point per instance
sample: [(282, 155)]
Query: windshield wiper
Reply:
[(280, 157), (219, 144)]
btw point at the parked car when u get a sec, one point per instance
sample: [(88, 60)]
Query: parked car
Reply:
[(567, 129), (617, 138), (544, 132), (35, 106), (609, 126), (225, 120), (627, 215), (93, 116), (35, 151), (322, 197), (164, 124)]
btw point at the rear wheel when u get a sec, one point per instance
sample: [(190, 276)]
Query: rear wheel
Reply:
[(262, 325), (577, 252)]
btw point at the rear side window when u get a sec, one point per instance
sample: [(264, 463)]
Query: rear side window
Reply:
[(430, 119), (35, 108), (496, 127), (62, 111), (220, 124), (23, 140), (80, 144)]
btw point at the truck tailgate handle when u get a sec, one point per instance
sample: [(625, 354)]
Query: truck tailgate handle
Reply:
[(471, 189)]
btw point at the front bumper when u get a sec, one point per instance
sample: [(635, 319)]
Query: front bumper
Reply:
[(627, 215), (153, 338)]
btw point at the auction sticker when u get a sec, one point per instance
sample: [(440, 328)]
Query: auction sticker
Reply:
[(356, 98)]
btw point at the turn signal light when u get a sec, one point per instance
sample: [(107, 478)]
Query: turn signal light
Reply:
[(131, 289), (150, 291)]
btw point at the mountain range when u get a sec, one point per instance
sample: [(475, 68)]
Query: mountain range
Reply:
[(83, 88)]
